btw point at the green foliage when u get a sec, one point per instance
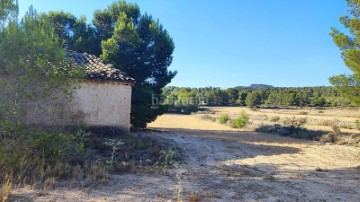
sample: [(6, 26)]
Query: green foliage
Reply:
[(28, 155), (31, 70), (273, 97), (140, 46), (8, 12), (253, 99), (349, 85), (240, 121), (224, 118), (134, 43), (75, 33)]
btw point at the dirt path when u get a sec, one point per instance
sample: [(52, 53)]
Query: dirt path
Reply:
[(222, 164)]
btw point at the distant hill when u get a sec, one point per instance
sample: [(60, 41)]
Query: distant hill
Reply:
[(256, 86)]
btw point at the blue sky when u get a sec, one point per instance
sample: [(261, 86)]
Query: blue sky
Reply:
[(227, 43)]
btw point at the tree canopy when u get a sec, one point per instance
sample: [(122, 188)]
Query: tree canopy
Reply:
[(133, 42), (349, 44), (31, 66)]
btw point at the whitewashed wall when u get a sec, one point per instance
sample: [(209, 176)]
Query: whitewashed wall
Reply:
[(104, 104)]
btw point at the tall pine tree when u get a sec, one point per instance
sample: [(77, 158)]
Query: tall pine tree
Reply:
[(349, 44)]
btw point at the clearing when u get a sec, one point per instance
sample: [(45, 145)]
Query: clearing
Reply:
[(224, 164)]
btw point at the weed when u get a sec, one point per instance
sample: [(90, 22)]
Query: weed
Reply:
[(115, 145), (168, 158), (303, 113), (330, 137)]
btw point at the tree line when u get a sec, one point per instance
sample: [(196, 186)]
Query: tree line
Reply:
[(243, 96)]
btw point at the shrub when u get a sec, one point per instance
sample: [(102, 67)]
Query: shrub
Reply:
[(275, 119), (295, 122), (336, 128), (354, 139), (355, 136), (290, 131), (240, 121), (331, 137), (303, 113), (224, 118), (32, 157), (208, 118)]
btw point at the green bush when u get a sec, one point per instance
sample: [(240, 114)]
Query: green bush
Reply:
[(240, 121), (224, 118)]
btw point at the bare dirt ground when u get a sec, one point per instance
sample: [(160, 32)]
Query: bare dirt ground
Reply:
[(224, 164)]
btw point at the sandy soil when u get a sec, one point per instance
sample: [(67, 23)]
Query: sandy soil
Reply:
[(224, 164)]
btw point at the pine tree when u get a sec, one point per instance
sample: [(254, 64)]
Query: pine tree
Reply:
[(349, 44)]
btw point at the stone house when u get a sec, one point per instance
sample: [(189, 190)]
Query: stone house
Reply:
[(104, 98)]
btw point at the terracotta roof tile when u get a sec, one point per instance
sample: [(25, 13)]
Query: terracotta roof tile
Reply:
[(97, 69)]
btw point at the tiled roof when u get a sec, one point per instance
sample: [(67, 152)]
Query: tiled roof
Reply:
[(97, 69)]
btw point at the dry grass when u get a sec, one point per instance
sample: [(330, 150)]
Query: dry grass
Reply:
[(345, 117), (6, 190), (223, 163), (312, 155), (187, 122)]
